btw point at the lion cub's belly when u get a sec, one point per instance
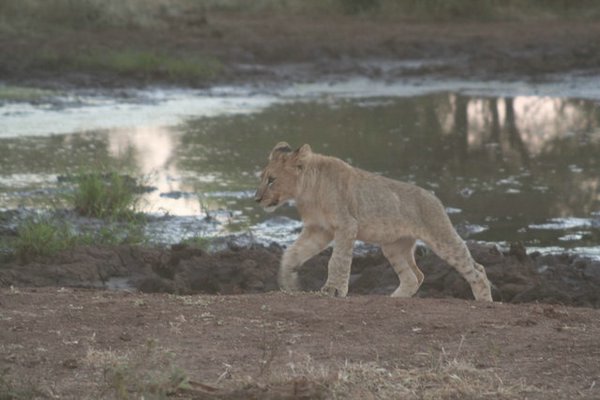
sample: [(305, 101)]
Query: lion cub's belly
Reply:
[(380, 232)]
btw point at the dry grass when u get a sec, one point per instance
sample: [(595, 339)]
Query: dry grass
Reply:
[(443, 379), (95, 357), (448, 380), (148, 373)]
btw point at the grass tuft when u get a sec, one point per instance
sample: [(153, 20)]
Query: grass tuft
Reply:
[(42, 237), (105, 195), (10, 390), (149, 374), (46, 236)]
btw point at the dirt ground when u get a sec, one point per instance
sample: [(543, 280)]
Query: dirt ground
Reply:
[(213, 326), (92, 344), (265, 49)]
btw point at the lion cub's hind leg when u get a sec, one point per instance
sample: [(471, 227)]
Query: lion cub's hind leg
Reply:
[(456, 253), (401, 254)]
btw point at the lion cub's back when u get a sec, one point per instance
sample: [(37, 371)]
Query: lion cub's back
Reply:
[(386, 201)]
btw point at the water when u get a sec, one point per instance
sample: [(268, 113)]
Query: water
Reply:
[(511, 162)]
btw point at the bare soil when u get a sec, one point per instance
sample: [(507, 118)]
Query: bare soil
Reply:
[(67, 343), (220, 319)]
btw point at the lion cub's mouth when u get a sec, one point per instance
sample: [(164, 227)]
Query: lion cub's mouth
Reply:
[(271, 206)]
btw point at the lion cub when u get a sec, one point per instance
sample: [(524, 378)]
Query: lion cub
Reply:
[(340, 203)]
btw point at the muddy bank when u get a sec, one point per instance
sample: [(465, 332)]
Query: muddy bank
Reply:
[(259, 49), (517, 277)]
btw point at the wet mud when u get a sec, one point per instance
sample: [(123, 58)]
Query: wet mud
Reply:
[(516, 276)]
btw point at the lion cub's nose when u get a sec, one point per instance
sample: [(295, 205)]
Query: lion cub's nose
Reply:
[(257, 197)]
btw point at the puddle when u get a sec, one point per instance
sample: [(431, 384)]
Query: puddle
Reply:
[(127, 109), (511, 161)]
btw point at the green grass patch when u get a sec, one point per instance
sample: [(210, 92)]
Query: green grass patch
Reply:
[(111, 197), (144, 64), (44, 237), (105, 195), (198, 242), (40, 237), (22, 93)]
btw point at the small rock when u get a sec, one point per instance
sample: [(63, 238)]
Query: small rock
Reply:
[(70, 363)]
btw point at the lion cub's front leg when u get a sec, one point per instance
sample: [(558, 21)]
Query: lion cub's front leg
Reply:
[(311, 241), (338, 269)]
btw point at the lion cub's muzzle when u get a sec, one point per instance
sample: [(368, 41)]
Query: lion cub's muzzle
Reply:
[(259, 197), (269, 205)]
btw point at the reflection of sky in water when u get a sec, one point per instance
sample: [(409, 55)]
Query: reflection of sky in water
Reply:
[(523, 167), (153, 149), (73, 113)]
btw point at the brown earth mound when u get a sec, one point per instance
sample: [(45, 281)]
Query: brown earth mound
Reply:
[(516, 276)]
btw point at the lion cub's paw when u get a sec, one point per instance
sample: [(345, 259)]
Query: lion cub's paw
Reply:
[(333, 291), (289, 282)]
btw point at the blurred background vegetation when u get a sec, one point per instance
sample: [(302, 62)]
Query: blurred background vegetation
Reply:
[(195, 42), (20, 15)]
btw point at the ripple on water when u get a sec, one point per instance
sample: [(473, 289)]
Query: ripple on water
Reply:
[(567, 223)]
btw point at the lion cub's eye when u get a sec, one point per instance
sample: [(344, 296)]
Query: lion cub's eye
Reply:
[(270, 180)]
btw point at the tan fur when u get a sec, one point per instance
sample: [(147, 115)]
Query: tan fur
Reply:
[(340, 203)]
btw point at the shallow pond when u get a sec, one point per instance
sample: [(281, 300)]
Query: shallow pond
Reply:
[(510, 162)]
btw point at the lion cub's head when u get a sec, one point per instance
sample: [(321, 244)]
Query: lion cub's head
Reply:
[(279, 179)]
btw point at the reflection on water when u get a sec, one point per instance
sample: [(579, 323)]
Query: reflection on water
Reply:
[(153, 151), (508, 167)]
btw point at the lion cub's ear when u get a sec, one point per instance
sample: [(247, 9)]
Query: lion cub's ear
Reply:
[(300, 156), (303, 150), (281, 147)]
